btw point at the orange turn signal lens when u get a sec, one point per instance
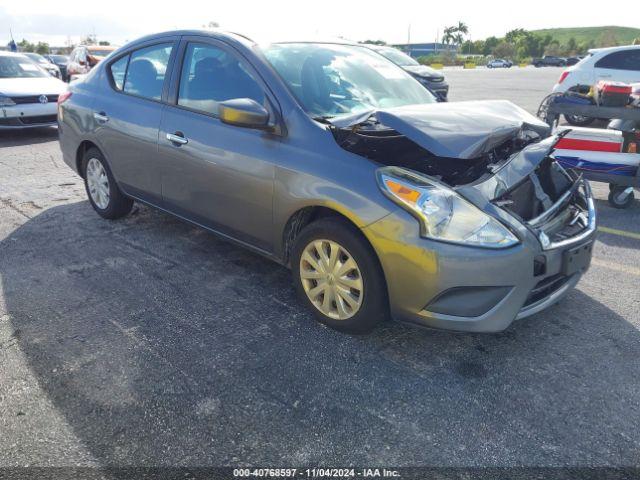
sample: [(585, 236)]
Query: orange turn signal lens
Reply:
[(633, 148), (405, 193)]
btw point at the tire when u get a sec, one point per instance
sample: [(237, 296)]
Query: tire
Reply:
[(615, 199), (369, 287), (105, 196), (579, 121)]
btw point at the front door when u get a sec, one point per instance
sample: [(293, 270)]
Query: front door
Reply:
[(218, 175)]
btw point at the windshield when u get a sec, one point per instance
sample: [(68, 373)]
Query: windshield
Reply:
[(19, 67), (331, 80), (397, 57), (36, 58), (58, 58)]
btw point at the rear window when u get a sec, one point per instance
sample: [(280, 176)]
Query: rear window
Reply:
[(118, 70), (142, 72), (622, 60)]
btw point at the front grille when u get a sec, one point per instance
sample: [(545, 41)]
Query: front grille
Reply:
[(33, 99), (38, 119), (545, 287)]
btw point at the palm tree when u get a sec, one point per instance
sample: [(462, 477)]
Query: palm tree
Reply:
[(447, 35), (462, 28)]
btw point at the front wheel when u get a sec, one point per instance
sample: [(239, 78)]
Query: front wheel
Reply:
[(337, 274), (103, 192)]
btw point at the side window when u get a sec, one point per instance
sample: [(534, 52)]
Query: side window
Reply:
[(146, 71), (622, 60), (118, 70), (211, 75)]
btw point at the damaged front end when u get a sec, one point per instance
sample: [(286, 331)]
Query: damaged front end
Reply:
[(490, 152)]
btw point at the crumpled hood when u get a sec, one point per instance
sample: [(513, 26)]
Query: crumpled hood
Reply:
[(422, 71), (461, 129)]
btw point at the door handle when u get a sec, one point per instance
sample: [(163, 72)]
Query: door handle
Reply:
[(177, 138), (100, 117)]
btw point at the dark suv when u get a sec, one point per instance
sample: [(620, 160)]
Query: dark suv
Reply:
[(549, 61)]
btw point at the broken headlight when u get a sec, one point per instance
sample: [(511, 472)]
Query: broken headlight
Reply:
[(443, 214)]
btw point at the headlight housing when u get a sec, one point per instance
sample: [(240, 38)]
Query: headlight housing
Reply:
[(443, 214), (6, 101)]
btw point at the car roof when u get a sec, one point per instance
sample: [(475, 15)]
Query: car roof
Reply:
[(613, 49), (100, 47), (238, 37)]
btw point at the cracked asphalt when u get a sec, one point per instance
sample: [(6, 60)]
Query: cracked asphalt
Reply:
[(149, 342)]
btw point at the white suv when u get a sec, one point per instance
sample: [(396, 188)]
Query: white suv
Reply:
[(621, 64)]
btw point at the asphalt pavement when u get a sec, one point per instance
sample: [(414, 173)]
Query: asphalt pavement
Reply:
[(149, 342)]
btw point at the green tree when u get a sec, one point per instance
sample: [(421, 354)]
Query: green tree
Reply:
[(504, 50), (26, 46), (374, 42), (489, 44), (42, 48), (553, 48), (448, 35), (571, 46), (512, 36)]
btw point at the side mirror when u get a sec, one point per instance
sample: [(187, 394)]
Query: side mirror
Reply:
[(243, 112)]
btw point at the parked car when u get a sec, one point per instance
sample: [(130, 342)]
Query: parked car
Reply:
[(430, 78), (621, 64), (572, 61), (549, 61), (499, 63), (59, 61), (84, 57), (28, 94), (52, 69), (334, 161)]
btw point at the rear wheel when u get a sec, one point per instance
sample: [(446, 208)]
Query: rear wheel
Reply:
[(105, 196), (620, 197), (338, 276)]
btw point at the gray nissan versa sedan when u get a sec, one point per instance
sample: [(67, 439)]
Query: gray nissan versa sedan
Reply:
[(332, 160)]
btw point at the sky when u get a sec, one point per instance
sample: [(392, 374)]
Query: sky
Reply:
[(118, 21)]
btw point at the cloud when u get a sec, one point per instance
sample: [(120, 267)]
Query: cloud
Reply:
[(56, 26)]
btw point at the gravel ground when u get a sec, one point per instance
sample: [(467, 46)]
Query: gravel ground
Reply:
[(149, 342)]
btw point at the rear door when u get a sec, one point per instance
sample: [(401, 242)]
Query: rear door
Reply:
[(220, 176), (620, 66), (127, 116)]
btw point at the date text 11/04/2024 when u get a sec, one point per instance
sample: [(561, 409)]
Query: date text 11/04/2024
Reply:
[(315, 473)]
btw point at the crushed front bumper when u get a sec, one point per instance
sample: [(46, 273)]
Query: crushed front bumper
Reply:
[(462, 288)]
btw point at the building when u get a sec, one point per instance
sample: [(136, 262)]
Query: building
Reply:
[(422, 49)]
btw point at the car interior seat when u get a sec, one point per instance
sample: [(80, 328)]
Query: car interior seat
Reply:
[(142, 79)]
